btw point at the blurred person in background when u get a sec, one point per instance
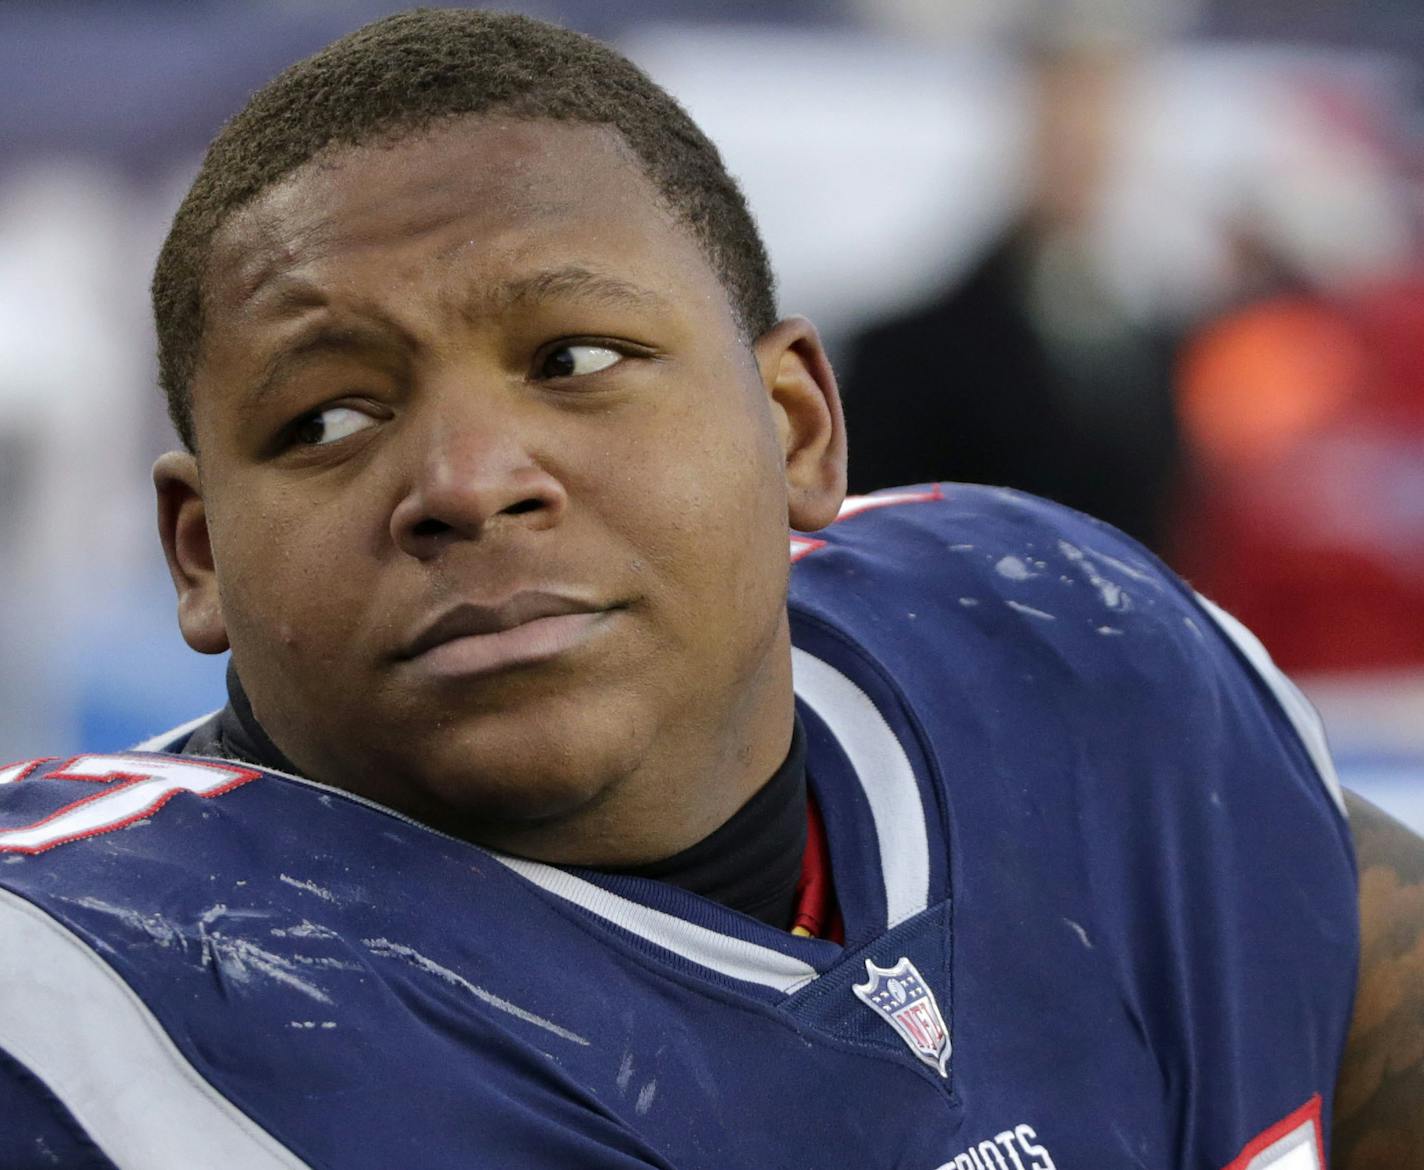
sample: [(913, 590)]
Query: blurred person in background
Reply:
[(1248, 214), (1035, 370), (1304, 513), (1302, 403), (1302, 409)]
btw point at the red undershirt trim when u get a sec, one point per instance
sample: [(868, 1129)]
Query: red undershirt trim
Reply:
[(816, 915)]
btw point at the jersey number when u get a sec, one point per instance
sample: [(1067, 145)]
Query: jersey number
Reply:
[(134, 787), (1293, 1143)]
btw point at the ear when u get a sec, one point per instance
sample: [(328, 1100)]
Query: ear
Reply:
[(183, 528), (806, 407)]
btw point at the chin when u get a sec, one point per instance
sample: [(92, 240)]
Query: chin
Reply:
[(539, 778)]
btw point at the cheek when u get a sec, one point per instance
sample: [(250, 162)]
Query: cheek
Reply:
[(713, 523), (285, 573)]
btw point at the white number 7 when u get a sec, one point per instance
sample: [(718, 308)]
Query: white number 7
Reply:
[(136, 786)]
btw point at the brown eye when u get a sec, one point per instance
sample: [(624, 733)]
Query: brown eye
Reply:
[(568, 361), (329, 425)]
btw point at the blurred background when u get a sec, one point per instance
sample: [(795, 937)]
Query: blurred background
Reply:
[(1159, 259)]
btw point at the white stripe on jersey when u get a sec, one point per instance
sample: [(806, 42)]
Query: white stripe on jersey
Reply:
[(69, 1018), (734, 957), (886, 775), (1303, 717), (163, 742)]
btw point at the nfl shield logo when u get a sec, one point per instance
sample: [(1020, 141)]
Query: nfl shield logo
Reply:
[(904, 1000)]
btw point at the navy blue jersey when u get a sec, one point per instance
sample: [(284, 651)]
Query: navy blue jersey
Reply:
[(1096, 883)]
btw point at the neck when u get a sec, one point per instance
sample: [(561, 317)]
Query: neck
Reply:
[(682, 791)]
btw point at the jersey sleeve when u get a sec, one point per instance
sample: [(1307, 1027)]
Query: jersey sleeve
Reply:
[(1229, 874), (1294, 705), (36, 1131)]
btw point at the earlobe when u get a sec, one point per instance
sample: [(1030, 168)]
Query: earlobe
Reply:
[(807, 409), (183, 529)]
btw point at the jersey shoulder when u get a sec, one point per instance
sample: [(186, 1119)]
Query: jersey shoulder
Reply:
[(1124, 777), (216, 934), (995, 580)]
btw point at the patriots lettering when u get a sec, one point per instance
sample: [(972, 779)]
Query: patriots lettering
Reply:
[(1012, 1149)]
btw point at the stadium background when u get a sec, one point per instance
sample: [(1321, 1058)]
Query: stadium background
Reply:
[(1231, 198)]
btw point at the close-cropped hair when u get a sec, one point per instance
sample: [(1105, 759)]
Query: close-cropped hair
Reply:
[(401, 75)]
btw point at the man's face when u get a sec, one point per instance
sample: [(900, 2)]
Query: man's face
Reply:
[(493, 499)]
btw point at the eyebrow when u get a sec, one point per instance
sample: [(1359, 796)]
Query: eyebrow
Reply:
[(327, 339), (577, 282)]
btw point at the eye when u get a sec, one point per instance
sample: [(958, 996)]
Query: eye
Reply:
[(327, 426), (567, 361)]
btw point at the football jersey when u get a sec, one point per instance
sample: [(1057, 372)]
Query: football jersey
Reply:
[(1090, 856)]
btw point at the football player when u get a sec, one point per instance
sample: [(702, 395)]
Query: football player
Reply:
[(549, 825)]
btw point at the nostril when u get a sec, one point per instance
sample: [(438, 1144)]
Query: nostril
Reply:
[(523, 506), (430, 528)]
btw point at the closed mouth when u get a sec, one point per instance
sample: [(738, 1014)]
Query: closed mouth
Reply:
[(471, 640)]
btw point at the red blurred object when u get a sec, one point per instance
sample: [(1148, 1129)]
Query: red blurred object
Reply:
[(1305, 511)]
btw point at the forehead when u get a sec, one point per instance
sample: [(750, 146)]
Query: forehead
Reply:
[(472, 191)]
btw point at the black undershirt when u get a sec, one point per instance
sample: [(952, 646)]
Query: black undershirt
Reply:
[(751, 864)]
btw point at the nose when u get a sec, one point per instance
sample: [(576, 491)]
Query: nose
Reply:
[(473, 473)]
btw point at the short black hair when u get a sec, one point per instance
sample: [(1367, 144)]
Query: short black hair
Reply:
[(399, 76)]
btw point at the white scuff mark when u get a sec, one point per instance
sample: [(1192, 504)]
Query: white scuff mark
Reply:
[(1126, 568), (323, 963), (1196, 629), (645, 1097), (44, 1151), (325, 800), (1113, 594), (1080, 932), (310, 887), (240, 884), (220, 910), (1215, 798), (912, 616), (240, 960), (1014, 568), (625, 1072), (961, 548), (309, 1025), (157, 927), (303, 929), (15, 859), (1019, 607), (968, 602), (1109, 631), (387, 949)]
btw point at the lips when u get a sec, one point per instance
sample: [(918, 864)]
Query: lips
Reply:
[(526, 627)]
